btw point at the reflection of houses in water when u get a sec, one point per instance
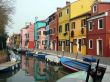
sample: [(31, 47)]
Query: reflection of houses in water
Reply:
[(40, 71), (23, 65), (30, 66), (27, 65)]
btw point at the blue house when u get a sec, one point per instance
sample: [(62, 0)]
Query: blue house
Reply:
[(38, 24)]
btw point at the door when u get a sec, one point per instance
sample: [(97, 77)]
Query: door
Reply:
[(109, 46), (99, 47), (79, 45)]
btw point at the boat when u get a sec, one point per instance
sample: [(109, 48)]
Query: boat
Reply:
[(89, 59), (30, 53), (76, 77), (74, 65), (21, 51), (97, 70), (40, 55), (13, 56), (52, 58)]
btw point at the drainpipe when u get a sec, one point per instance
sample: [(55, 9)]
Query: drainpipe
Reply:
[(70, 47)]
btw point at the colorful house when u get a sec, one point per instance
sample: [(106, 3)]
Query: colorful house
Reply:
[(99, 30), (17, 38), (47, 34), (37, 25), (80, 11), (63, 27), (53, 24), (31, 36), (24, 37), (41, 38)]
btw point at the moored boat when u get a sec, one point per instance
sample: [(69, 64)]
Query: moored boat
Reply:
[(52, 58), (30, 53), (40, 55), (74, 65)]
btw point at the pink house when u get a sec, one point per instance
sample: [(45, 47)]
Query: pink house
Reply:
[(31, 36), (23, 37), (41, 38)]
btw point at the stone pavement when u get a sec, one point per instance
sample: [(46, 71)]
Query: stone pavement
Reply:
[(103, 60)]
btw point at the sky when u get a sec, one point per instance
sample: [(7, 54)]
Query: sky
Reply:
[(27, 10)]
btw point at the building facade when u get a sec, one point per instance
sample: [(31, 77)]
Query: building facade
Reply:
[(24, 38), (41, 38), (53, 24), (31, 36), (80, 11), (99, 30), (63, 27), (37, 25)]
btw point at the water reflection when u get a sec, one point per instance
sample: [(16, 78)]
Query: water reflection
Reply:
[(41, 70), (34, 70), (27, 65)]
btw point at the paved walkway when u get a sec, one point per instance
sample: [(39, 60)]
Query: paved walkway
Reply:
[(103, 60)]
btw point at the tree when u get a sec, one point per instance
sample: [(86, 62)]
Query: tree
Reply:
[(6, 10)]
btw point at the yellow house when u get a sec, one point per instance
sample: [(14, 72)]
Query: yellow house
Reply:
[(63, 27), (80, 11)]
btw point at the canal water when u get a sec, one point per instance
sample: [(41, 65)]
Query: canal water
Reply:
[(34, 70)]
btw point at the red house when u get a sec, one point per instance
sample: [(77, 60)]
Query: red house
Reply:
[(53, 25), (31, 36), (98, 34)]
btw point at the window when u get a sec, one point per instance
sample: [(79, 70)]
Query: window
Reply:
[(54, 30), (84, 41), (50, 31), (60, 14), (53, 17), (73, 25), (44, 32), (90, 26), (43, 42), (60, 28), (94, 8), (75, 41), (67, 11), (100, 23), (67, 27), (67, 42), (90, 44), (83, 22), (39, 33), (60, 43)]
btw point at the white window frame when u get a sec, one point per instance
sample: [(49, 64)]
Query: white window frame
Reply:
[(89, 43), (99, 24), (94, 9), (89, 26)]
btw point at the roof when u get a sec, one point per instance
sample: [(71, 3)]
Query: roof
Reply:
[(101, 2)]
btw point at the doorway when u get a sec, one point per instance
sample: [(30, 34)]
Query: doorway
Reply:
[(79, 45), (99, 47)]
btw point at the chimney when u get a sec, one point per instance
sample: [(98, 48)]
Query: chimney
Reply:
[(67, 3), (58, 8)]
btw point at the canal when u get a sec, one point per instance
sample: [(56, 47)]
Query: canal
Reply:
[(34, 70)]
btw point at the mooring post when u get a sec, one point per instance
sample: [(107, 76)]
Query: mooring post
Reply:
[(88, 73), (95, 74)]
